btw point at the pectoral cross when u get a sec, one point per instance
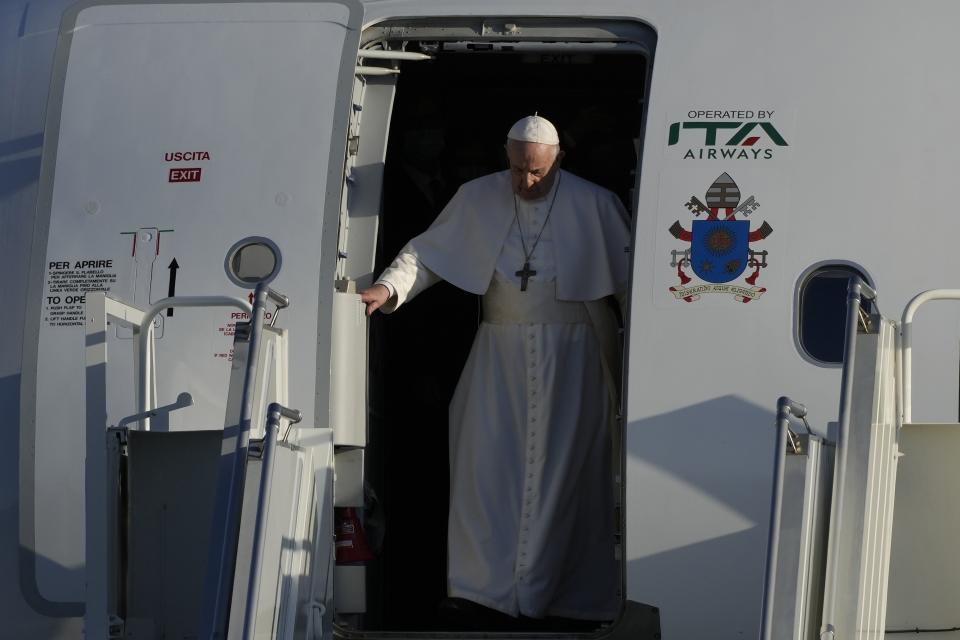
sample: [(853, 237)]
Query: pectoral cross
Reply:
[(525, 274)]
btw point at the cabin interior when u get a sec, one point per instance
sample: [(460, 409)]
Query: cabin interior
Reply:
[(448, 124)]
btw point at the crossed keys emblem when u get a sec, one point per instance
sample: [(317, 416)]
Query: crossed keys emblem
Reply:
[(746, 207), (719, 248)]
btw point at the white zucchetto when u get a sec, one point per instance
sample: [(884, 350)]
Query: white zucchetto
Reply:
[(534, 129)]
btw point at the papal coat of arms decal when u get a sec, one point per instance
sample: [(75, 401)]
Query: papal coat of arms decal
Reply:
[(721, 246)]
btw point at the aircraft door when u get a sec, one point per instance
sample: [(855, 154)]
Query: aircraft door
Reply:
[(173, 131)]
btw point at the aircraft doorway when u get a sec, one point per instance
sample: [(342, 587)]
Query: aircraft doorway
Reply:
[(448, 125)]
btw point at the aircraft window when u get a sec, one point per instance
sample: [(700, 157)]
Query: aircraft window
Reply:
[(822, 312), (252, 261)]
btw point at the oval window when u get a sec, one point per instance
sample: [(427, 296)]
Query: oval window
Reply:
[(822, 311), (252, 261)]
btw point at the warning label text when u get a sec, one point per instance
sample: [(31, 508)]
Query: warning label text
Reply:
[(68, 282)]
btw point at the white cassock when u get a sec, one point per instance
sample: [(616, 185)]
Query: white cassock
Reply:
[(531, 525)]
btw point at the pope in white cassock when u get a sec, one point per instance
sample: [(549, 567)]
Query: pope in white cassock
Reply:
[(531, 524)]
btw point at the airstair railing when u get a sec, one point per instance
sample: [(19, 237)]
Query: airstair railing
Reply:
[(102, 311), (229, 498), (275, 412), (796, 537), (145, 348), (906, 344), (785, 409), (857, 290), (876, 401)]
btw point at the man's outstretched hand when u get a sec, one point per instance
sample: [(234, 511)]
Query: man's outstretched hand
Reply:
[(374, 297)]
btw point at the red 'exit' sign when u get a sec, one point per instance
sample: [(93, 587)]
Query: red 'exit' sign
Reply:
[(184, 175)]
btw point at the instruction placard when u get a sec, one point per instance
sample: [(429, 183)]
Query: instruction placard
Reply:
[(228, 329), (68, 282)]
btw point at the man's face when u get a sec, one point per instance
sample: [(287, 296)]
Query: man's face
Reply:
[(533, 168)]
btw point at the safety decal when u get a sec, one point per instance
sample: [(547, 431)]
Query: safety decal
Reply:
[(68, 281), (719, 247)]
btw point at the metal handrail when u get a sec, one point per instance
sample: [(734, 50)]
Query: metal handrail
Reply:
[(226, 519), (101, 311), (906, 346), (857, 290), (785, 409), (274, 413), (145, 339)]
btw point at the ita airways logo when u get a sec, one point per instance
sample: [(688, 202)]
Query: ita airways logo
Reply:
[(741, 134), (720, 247)]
